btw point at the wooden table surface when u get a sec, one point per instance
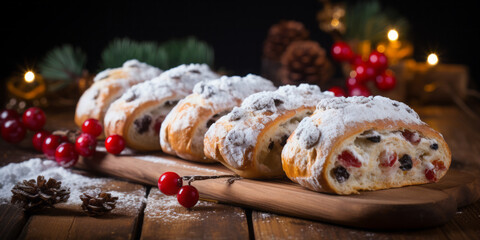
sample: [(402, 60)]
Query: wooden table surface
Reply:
[(157, 216)]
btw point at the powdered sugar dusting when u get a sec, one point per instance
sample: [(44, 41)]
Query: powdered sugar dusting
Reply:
[(137, 70), (13, 173), (248, 120)]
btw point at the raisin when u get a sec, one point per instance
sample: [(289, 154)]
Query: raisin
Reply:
[(142, 124), (434, 146), (341, 174), (406, 162), (375, 139), (412, 137)]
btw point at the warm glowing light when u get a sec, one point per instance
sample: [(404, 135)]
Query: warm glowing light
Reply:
[(429, 87), (381, 48), (29, 76), (335, 22), (432, 59), (392, 35)]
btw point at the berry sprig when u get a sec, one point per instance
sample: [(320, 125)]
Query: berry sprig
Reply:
[(170, 183), (375, 69), (63, 146)]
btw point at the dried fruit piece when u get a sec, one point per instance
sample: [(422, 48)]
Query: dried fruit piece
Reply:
[(347, 159), (387, 158), (341, 174), (412, 137), (434, 146), (406, 162)]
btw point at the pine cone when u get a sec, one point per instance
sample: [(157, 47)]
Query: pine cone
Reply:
[(37, 195), (97, 203), (305, 62), (280, 36)]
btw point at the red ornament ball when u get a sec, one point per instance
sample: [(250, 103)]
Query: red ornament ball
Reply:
[(85, 145), (65, 155), (38, 139), (385, 81), (13, 131), (188, 196), (356, 60), (352, 82), (170, 183), (364, 72), (338, 91), (7, 114), (92, 126), (342, 52), (34, 119), (50, 145), (378, 61), (359, 90), (115, 144)]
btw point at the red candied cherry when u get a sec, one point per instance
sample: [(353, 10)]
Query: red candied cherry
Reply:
[(378, 61), (387, 158), (412, 137), (385, 81), (431, 174), (34, 118), (341, 51), (38, 139), (115, 144), (65, 155), (438, 165), (92, 126), (85, 145), (7, 114), (348, 160), (359, 90), (338, 91), (188, 196), (13, 131), (50, 145), (364, 72), (169, 183)]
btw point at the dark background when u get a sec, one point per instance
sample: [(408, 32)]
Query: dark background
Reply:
[(235, 29)]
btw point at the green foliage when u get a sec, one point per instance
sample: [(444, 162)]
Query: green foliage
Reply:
[(121, 50), (366, 20), (64, 63), (167, 55)]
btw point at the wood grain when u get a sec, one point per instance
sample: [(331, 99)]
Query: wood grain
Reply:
[(12, 221), (67, 221), (164, 218), (414, 207)]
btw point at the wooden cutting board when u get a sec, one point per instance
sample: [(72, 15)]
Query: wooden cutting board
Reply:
[(401, 208)]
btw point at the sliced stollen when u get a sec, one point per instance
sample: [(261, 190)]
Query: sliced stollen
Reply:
[(108, 86), (184, 128), (364, 143), (138, 114), (250, 139)]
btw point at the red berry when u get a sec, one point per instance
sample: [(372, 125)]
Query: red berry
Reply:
[(7, 114), (85, 145), (341, 51), (115, 144), (65, 155), (38, 139), (352, 82), (169, 183), (359, 90), (13, 131), (348, 160), (387, 158), (430, 175), (92, 126), (385, 81), (34, 119), (338, 91), (356, 60), (188, 196), (364, 72), (50, 145), (412, 137), (378, 61)]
